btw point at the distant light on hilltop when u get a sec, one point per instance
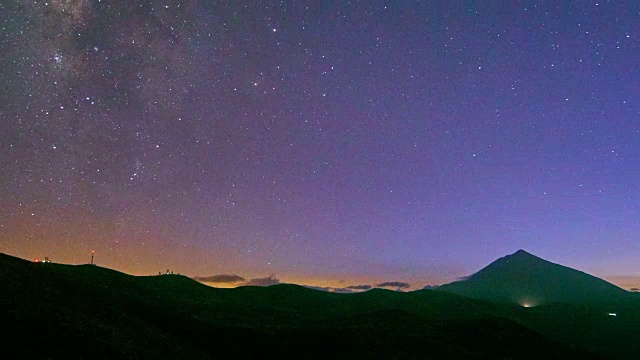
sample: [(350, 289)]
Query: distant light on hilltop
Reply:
[(528, 303)]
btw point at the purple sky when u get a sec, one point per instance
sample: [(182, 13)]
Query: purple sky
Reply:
[(328, 144)]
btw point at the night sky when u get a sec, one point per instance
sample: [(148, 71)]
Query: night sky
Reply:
[(321, 143)]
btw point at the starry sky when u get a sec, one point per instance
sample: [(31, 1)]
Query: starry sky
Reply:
[(334, 144)]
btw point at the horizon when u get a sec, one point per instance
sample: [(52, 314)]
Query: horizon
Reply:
[(363, 143), (228, 280)]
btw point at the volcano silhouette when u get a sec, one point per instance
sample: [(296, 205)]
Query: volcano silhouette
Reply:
[(528, 280)]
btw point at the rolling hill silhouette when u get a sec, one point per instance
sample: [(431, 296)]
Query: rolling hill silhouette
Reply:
[(528, 280), (62, 311)]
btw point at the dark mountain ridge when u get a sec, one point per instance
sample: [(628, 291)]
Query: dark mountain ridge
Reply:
[(64, 311), (528, 280)]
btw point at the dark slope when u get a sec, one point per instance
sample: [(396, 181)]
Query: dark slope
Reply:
[(61, 311), (528, 280), (565, 304)]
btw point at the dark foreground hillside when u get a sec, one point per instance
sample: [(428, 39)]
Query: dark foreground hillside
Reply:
[(61, 311)]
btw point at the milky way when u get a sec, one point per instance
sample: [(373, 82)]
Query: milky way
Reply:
[(326, 144)]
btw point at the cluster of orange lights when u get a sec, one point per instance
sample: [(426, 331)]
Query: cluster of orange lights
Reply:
[(46, 259)]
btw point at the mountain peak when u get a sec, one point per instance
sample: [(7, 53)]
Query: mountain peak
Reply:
[(527, 279), (522, 254), (520, 260)]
